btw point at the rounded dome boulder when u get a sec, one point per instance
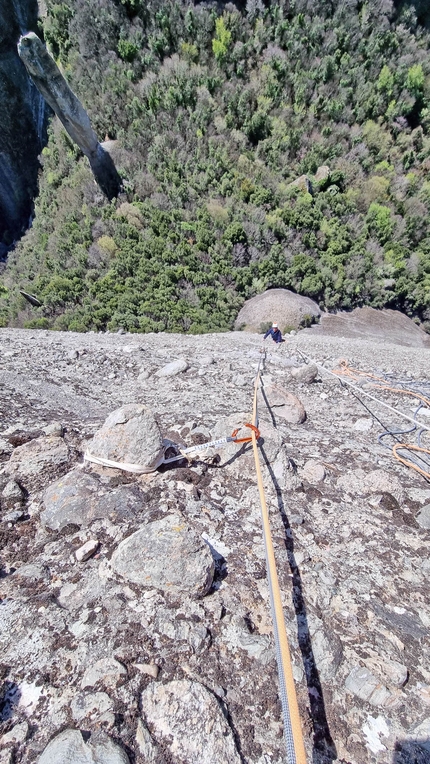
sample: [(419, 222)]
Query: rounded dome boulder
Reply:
[(289, 310)]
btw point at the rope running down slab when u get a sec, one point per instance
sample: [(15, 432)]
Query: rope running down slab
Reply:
[(292, 727)]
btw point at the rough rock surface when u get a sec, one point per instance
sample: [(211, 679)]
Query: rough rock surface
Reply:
[(36, 461), (372, 324), (423, 517), (281, 305), (84, 646), (283, 403), (189, 720), (173, 368)]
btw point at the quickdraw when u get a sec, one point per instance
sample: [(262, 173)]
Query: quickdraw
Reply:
[(193, 451)]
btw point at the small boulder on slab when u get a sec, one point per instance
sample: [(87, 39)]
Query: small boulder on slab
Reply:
[(69, 746), (305, 374), (168, 555), (282, 403), (71, 500), (37, 461), (107, 671), (313, 472), (130, 435), (12, 494), (86, 550), (173, 368)]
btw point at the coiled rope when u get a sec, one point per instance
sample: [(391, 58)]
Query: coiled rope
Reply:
[(344, 375), (292, 727)]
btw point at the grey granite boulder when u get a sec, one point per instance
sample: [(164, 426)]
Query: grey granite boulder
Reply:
[(38, 460), (305, 374), (69, 500), (173, 368), (130, 435), (78, 499), (286, 308), (282, 404), (166, 554), (11, 495), (69, 748), (187, 720), (107, 671)]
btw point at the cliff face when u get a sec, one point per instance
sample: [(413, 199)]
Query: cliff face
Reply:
[(22, 123)]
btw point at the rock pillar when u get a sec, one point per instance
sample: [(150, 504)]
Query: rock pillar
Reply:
[(48, 79)]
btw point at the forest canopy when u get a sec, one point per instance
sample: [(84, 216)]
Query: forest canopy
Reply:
[(282, 145)]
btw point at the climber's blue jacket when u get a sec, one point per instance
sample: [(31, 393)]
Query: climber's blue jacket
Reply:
[(274, 333)]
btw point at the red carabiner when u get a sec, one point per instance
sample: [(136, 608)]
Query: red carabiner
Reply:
[(246, 440)]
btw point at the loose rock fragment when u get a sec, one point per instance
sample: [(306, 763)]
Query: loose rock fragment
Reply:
[(151, 669), (69, 748), (107, 671), (205, 360), (363, 424), (96, 706), (313, 472), (384, 482), (70, 500), (11, 495), (282, 403), (37, 461), (166, 554), (188, 720), (14, 516), (55, 428), (173, 368), (86, 550), (305, 374)]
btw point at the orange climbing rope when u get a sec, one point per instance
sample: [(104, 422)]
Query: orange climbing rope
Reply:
[(411, 447), (381, 384), (348, 371), (292, 727)]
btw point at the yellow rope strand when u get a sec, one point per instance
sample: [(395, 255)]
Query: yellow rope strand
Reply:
[(279, 623)]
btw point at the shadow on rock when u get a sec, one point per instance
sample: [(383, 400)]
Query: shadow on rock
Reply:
[(11, 697), (324, 749), (412, 752)]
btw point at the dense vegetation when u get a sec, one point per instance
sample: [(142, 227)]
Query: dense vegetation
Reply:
[(216, 112)]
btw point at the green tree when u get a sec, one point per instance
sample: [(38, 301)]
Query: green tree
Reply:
[(222, 39)]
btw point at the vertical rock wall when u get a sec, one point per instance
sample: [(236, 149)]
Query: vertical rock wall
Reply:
[(22, 123)]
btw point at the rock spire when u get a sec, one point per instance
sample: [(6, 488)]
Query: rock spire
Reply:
[(50, 82)]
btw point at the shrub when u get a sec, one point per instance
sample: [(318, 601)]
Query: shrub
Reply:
[(265, 326), (306, 320), (37, 323)]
